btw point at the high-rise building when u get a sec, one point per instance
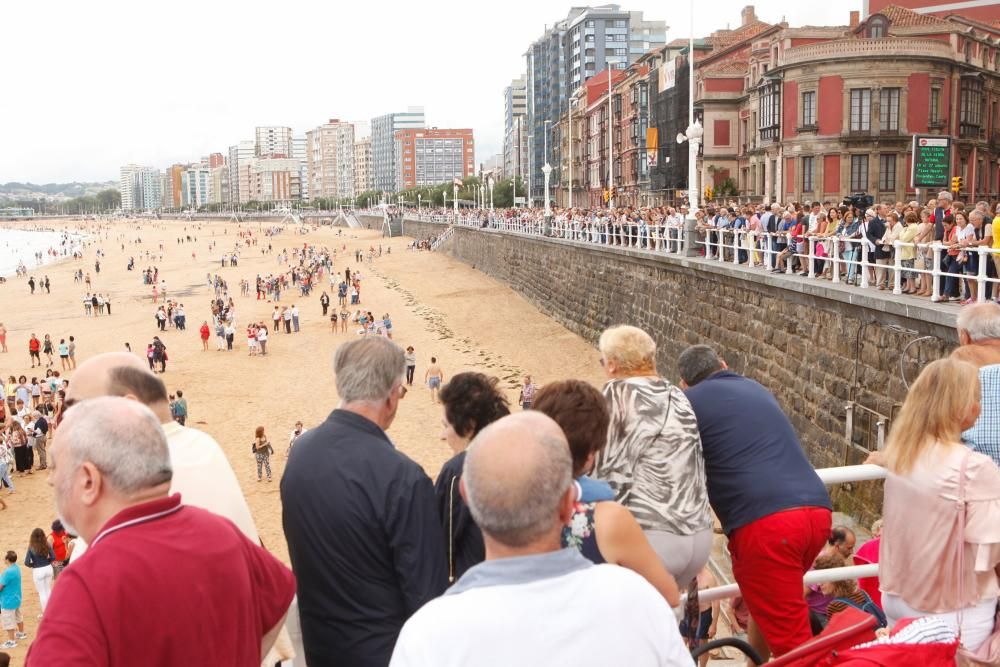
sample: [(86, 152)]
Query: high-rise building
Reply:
[(300, 152), (140, 188), (173, 196), (274, 180), (216, 160), (515, 135), (434, 156), (362, 165), (385, 164), (196, 184), (274, 141), (240, 156), (587, 41), (220, 184), (330, 156)]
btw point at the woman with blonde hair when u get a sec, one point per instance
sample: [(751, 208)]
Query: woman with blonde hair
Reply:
[(653, 459), (940, 547)]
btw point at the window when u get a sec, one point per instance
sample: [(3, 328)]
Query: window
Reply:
[(888, 112), (886, 173), (809, 108), (876, 30), (808, 174), (934, 112), (970, 108), (770, 110), (861, 110), (859, 173), (619, 23)]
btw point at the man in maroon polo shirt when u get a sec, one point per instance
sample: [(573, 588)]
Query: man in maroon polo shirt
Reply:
[(163, 584)]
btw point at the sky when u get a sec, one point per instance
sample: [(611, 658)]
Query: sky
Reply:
[(91, 86)]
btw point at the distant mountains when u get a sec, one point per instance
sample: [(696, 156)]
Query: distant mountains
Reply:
[(52, 191)]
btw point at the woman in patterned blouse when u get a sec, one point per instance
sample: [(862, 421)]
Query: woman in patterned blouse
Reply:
[(653, 460)]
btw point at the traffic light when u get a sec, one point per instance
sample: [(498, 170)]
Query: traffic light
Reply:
[(606, 195), (708, 193), (956, 183)]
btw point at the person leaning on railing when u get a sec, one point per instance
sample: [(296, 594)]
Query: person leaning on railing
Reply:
[(940, 549)]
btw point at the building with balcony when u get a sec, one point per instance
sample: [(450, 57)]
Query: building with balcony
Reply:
[(572, 51), (831, 111), (240, 157), (330, 157), (515, 128), (362, 165), (275, 180), (141, 188), (196, 184), (385, 161), (273, 141), (433, 156)]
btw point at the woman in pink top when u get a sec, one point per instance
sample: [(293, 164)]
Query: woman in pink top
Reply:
[(939, 556)]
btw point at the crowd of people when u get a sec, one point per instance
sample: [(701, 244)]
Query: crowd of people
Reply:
[(855, 240)]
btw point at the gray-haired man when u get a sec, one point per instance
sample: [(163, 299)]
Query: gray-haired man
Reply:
[(532, 602), (360, 517)]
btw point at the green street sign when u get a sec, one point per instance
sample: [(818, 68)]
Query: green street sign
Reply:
[(931, 164)]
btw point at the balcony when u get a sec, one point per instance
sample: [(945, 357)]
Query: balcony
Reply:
[(970, 131), (890, 47)]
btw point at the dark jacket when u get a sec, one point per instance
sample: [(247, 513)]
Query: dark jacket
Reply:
[(463, 541), (364, 539)]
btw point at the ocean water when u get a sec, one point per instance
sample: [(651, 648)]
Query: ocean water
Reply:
[(17, 246)]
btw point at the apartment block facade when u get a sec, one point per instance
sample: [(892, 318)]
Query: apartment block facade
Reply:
[(196, 183), (330, 160), (273, 141), (433, 156), (362, 165), (141, 188), (385, 160), (515, 128), (240, 157)]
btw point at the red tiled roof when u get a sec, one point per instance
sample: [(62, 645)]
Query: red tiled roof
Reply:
[(904, 18), (732, 68), (740, 34)]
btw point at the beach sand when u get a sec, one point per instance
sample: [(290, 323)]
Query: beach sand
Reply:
[(438, 305)]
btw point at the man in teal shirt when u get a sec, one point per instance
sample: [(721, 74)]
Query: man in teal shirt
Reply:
[(10, 601)]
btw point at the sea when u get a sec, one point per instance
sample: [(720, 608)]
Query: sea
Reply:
[(19, 246)]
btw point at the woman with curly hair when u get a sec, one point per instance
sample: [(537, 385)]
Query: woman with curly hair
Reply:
[(471, 401)]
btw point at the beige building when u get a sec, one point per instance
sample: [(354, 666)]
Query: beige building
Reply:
[(362, 165), (220, 184), (273, 180), (330, 160)]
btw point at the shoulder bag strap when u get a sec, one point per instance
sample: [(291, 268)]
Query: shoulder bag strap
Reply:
[(962, 513), (451, 530)]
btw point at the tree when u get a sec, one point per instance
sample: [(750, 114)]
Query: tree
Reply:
[(109, 200)]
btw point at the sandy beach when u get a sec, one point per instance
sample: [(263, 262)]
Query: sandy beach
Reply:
[(439, 306)]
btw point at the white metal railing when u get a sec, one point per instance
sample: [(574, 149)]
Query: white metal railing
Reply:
[(845, 259), (447, 234), (664, 238), (829, 476)]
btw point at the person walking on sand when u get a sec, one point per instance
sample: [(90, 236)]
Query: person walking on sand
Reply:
[(324, 301), (72, 352), (10, 601), (47, 350), (262, 451), (411, 365), (3, 338), (434, 378), (39, 560), (262, 339), (205, 332), (64, 354)]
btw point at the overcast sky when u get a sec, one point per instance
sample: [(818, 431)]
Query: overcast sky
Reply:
[(90, 86)]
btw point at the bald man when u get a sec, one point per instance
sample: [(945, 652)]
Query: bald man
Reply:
[(202, 474), (518, 484)]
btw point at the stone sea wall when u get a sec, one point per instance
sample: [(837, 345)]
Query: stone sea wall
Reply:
[(816, 346)]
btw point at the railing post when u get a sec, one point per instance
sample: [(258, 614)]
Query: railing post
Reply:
[(936, 273), (791, 254), (721, 243), (736, 246), (708, 243), (751, 243), (812, 256), (897, 268), (834, 253), (880, 426), (864, 263), (849, 423), (981, 274)]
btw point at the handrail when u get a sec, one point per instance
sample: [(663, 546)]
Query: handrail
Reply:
[(837, 475)]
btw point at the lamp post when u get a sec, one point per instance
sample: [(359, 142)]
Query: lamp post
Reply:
[(490, 182), (455, 199), (693, 135), (571, 101), (547, 171), (419, 197), (611, 147)]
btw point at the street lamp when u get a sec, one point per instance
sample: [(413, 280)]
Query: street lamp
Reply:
[(419, 197), (693, 135), (490, 182), (547, 171)]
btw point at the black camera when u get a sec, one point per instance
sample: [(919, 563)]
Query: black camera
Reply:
[(859, 200)]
